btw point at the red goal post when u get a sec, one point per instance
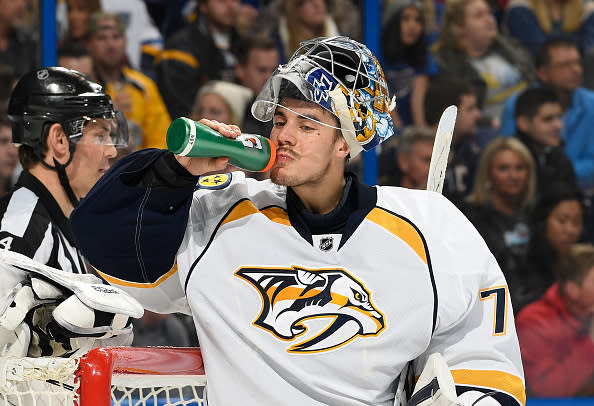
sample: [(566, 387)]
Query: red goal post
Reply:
[(106, 376)]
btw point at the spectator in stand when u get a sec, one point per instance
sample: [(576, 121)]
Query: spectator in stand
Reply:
[(556, 333), (144, 42), (135, 94), (73, 55), (77, 13), (499, 205), (557, 222), (408, 63), (470, 46), (405, 162), (202, 51), (248, 15), (221, 101), (8, 155), (534, 21), (291, 21), (226, 103), (19, 46), (300, 20), (433, 14), (257, 59), (558, 67), (465, 150), (538, 119)]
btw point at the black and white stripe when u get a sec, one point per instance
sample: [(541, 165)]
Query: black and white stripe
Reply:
[(32, 223)]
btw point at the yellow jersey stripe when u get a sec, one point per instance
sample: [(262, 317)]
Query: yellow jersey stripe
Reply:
[(502, 381), (180, 56), (247, 208), (277, 215), (147, 285), (243, 209), (400, 228)]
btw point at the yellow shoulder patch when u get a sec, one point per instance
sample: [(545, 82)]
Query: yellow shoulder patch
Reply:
[(218, 181)]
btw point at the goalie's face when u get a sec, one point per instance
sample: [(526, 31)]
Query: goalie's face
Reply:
[(309, 149)]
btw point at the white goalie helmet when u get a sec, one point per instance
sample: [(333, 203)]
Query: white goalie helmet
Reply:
[(343, 77)]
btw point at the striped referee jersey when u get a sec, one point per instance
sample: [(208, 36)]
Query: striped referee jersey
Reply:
[(33, 224)]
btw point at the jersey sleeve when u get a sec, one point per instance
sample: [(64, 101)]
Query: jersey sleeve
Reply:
[(474, 330), (131, 225)]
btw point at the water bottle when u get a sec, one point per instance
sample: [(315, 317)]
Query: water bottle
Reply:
[(251, 152)]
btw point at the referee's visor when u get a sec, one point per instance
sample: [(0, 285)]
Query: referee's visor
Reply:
[(109, 128)]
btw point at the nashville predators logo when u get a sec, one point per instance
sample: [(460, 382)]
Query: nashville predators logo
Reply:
[(325, 308), (218, 181)]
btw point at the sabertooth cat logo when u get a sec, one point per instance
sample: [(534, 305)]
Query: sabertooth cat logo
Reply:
[(331, 303)]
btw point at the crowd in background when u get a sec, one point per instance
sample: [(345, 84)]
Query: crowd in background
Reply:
[(522, 161)]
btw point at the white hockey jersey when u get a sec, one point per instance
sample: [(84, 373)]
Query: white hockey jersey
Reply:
[(333, 319)]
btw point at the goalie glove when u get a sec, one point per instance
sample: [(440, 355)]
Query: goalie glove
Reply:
[(46, 311), (436, 387)]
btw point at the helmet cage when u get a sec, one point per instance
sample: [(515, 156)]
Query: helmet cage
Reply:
[(343, 77)]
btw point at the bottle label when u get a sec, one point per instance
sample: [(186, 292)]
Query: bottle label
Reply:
[(191, 139), (250, 141)]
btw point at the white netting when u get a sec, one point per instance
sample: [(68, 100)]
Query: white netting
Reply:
[(169, 395), (38, 381), (141, 390), (133, 379)]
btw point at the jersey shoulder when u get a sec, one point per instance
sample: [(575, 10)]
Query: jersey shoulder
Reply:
[(454, 244), (216, 195), (228, 188), (416, 205)]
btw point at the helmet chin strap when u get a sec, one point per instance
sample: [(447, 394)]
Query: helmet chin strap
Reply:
[(61, 169)]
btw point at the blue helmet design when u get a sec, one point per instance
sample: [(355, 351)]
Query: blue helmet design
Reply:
[(343, 77)]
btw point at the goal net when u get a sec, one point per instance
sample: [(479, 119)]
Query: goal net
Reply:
[(120, 376)]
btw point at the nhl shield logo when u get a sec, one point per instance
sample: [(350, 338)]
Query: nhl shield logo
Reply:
[(326, 243)]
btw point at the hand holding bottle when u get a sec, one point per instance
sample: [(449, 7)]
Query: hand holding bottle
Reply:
[(199, 166), (207, 146)]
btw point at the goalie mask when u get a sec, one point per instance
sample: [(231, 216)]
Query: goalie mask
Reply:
[(343, 77)]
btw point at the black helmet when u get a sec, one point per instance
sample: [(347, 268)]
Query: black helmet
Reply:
[(64, 96), (55, 95)]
